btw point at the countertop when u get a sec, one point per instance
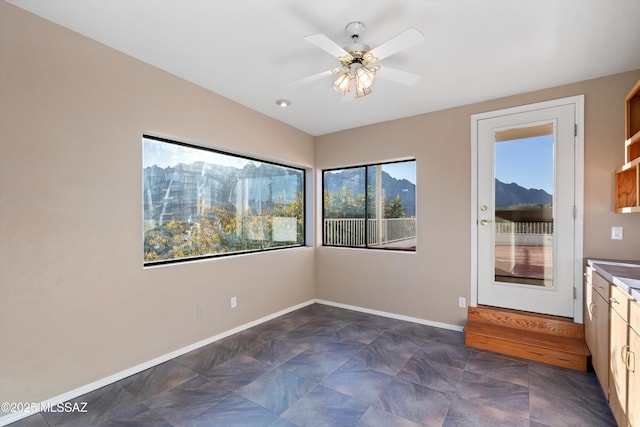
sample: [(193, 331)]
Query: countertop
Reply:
[(624, 274)]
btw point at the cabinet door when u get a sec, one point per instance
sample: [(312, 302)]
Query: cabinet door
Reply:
[(633, 368), (589, 308), (600, 352), (633, 364), (618, 368)]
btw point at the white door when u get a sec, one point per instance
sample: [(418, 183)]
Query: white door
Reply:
[(526, 208)]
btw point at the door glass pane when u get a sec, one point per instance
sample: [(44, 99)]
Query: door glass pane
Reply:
[(524, 205)]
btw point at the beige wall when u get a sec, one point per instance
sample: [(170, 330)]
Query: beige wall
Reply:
[(427, 284), (75, 303)]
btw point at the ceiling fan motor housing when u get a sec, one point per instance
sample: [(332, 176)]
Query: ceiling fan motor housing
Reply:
[(356, 49), (355, 28)]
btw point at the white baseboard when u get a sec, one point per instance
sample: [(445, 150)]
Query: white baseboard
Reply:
[(77, 392), (392, 315)]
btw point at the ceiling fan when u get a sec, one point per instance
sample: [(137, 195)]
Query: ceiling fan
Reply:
[(359, 63)]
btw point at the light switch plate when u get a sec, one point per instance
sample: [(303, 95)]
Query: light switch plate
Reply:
[(616, 233)]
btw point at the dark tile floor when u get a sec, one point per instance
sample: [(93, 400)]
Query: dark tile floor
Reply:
[(325, 366)]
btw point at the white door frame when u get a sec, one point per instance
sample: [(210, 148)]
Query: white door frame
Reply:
[(578, 100)]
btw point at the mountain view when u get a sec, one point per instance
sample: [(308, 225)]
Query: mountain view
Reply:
[(184, 191), (506, 194), (392, 187), (203, 209), (220, 183), (513, 194)]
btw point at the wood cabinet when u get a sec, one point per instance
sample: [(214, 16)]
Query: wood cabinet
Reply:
[(597, 325), (633, 365), (627, 177), (619, 355), (612, 332)]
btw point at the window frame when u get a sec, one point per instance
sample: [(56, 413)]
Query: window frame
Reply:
[(367, 245), (303, 190)]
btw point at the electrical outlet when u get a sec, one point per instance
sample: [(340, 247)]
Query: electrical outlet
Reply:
[(234, 302), (616, 233), (462, 302)]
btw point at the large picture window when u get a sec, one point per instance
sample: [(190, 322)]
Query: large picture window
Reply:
[(201, 203), (372, 206)]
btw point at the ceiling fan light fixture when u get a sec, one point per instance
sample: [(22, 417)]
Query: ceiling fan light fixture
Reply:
[(359, 62), (369, 58), (364, 77), (362, 91), (342, 83)]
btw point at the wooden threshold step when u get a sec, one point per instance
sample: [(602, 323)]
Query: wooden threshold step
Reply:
[(545, 339), (542, 323)]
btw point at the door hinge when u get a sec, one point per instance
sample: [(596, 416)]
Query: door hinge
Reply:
[(575, 293), (575, 129), (575, 212)]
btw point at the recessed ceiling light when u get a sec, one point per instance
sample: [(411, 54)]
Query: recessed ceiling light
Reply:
[(284, 103)]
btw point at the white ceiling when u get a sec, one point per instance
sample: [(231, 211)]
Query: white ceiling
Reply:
[(251, 50)]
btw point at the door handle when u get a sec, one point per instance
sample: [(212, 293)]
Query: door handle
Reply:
[(484, 221), (624, 354), (631, 361)]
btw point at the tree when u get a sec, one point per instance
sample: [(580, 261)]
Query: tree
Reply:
[(343, 204), (394, 208), (211, 233)]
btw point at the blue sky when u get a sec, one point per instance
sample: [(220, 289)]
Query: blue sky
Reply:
[(404, 170), (164, 154), (527, 162)]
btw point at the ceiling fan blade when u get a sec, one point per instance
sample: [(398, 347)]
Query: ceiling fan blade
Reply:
[(311, 79), (397, 76), (402, 41), (328, 45)]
